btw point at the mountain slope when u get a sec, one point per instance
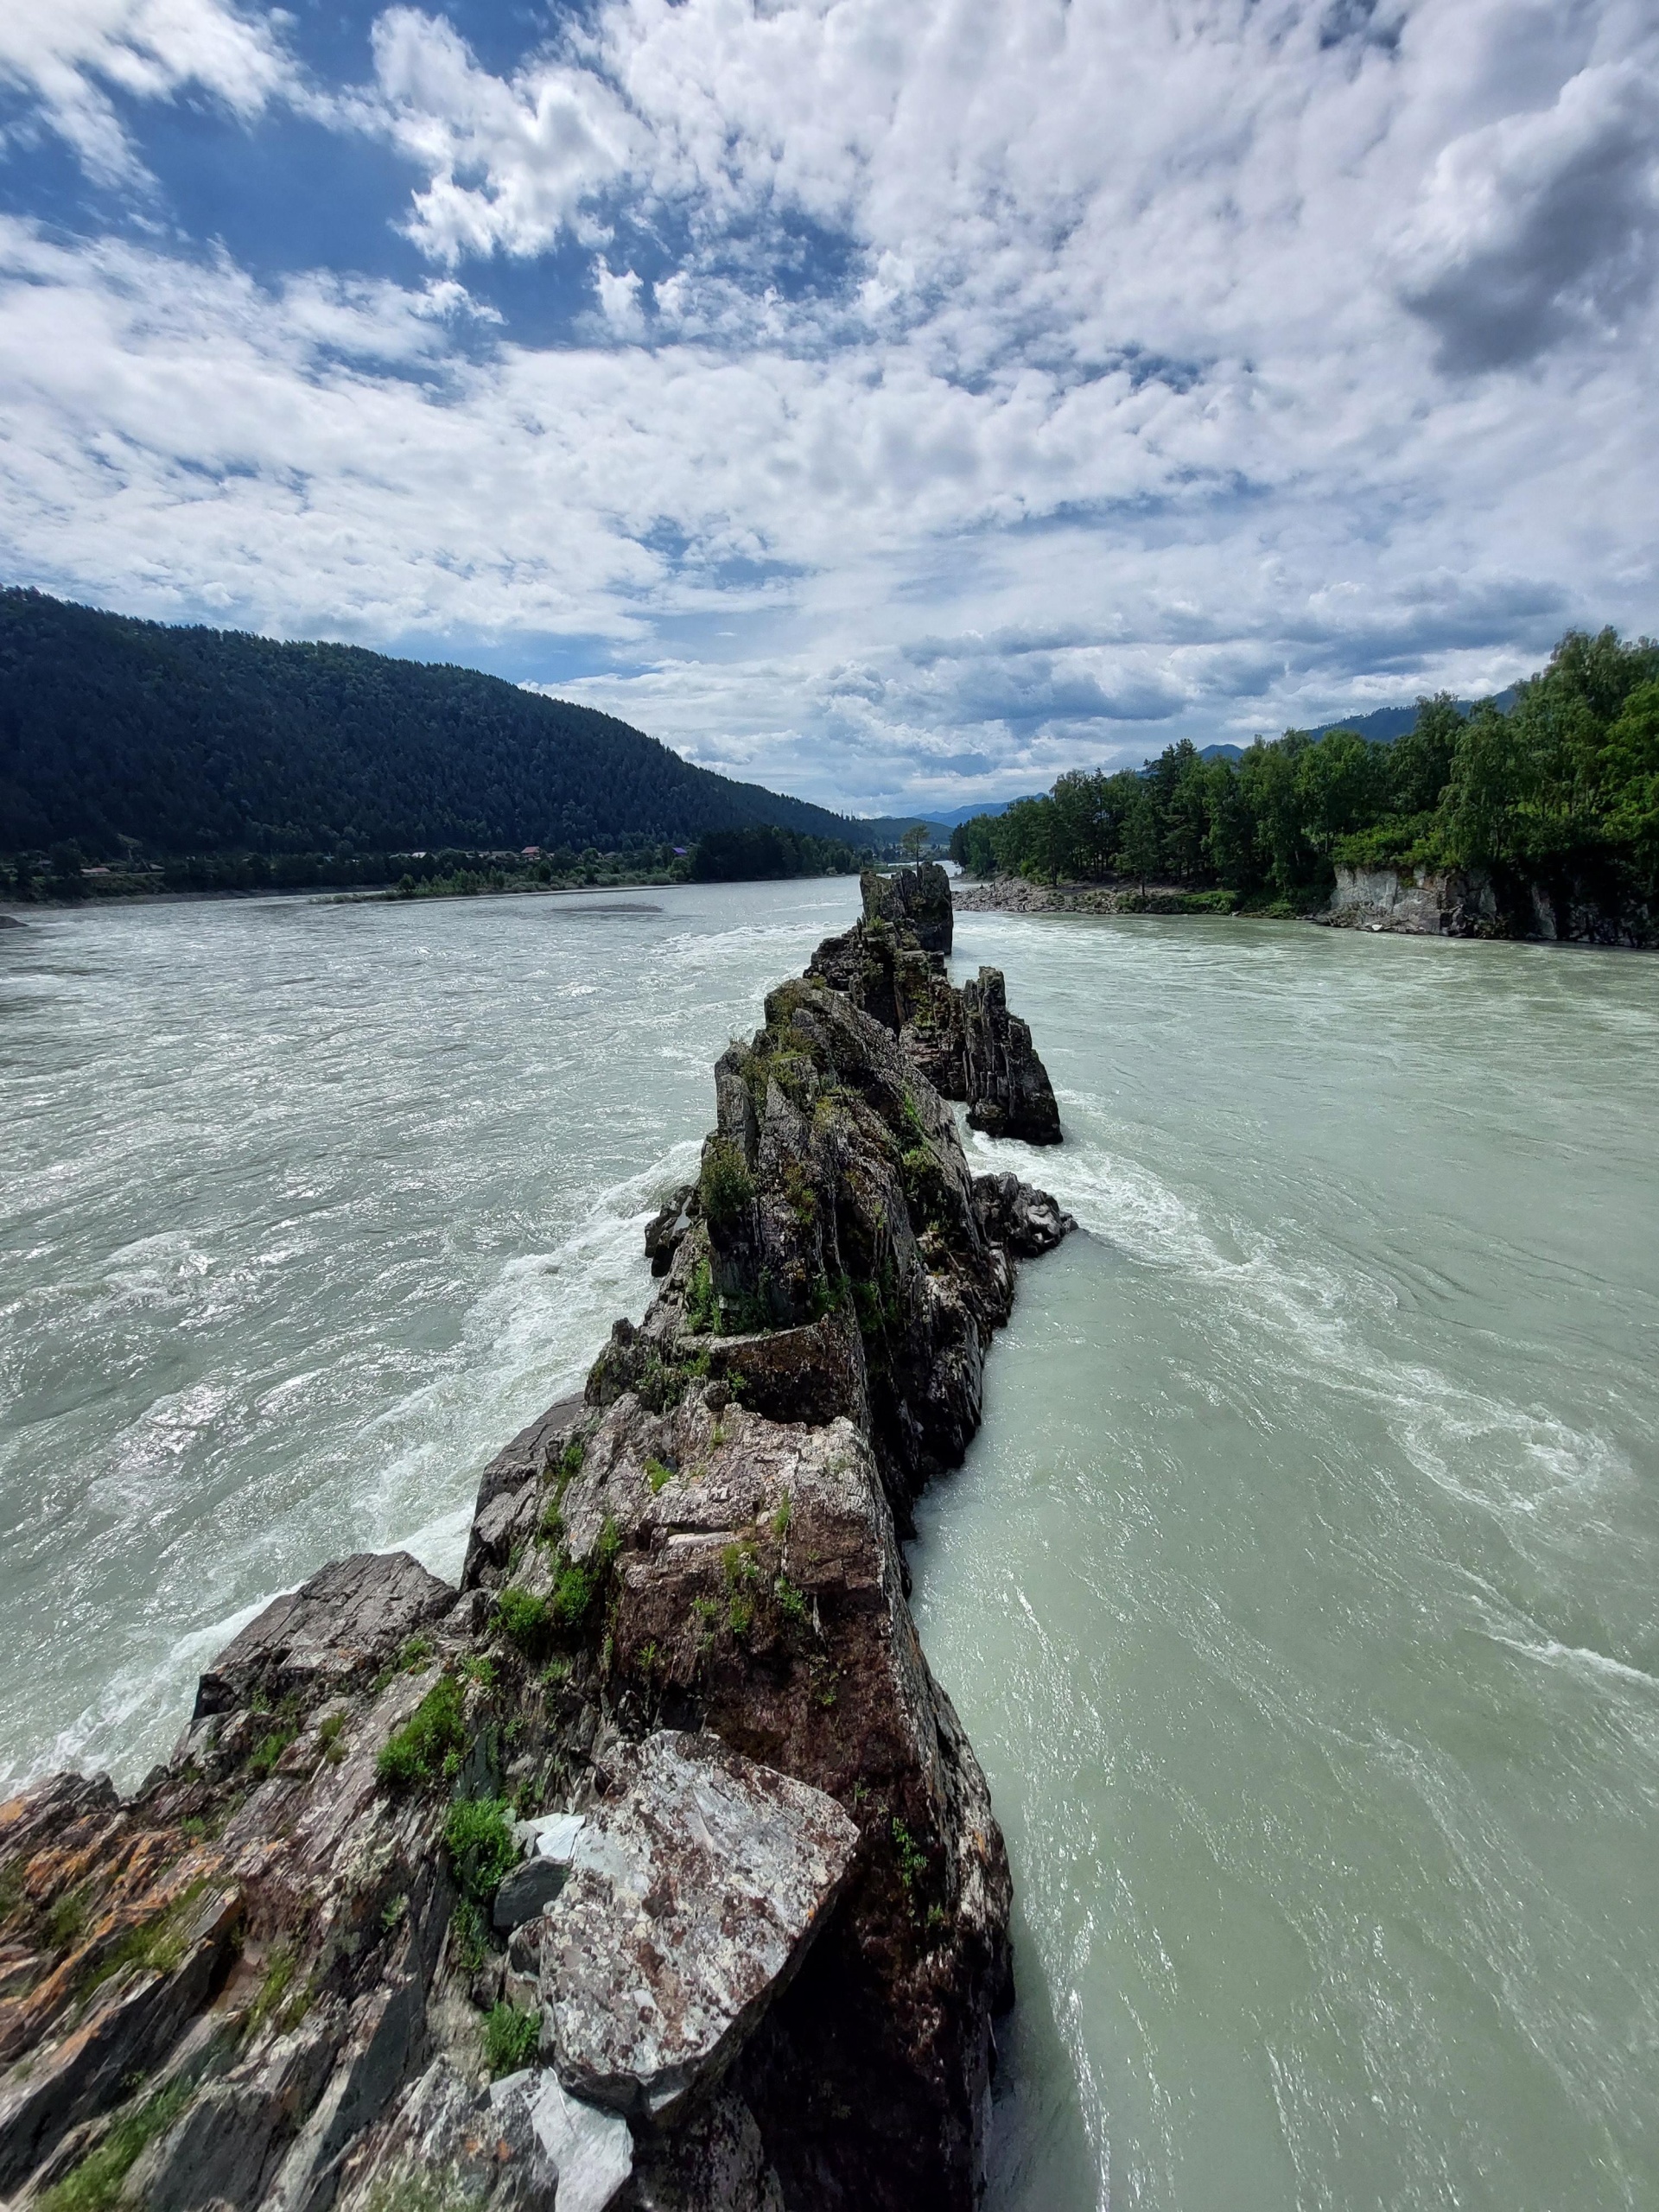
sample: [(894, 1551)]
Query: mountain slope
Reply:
[(196, 740)]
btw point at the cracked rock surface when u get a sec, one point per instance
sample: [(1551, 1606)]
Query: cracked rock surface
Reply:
[(695, 1890)]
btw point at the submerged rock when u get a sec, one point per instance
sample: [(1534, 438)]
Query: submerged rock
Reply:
[(695, 1891)]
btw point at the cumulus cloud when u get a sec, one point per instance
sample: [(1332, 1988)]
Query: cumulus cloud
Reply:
[(945, 395), (69, 55), (510, 162), (1541, 224)]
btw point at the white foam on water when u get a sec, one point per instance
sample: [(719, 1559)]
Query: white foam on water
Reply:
[(113, 1731), (526, 1340)]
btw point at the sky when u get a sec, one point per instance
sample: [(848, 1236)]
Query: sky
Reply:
[(896, 401)]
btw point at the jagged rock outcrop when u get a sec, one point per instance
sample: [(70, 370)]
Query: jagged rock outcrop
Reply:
[(1007, 1086), (661, 1809), (914, 899), (964, 1043)]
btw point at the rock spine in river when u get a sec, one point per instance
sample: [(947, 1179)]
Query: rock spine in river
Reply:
[(750, 1954)]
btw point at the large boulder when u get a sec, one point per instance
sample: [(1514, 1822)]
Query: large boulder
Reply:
[(695, 1891), (355, 1613), (1023, 1220)]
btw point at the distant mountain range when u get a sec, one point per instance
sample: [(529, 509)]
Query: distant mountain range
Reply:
[(115, 732)]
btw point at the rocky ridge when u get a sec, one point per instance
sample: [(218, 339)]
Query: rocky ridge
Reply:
[(649, 1867)]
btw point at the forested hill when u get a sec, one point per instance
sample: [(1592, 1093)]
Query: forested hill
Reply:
[(194, 741)]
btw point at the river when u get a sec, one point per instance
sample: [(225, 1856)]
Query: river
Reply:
[(1299, 1593)]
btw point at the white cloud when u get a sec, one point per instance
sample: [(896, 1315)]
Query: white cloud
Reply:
[(511, 162), (67, 54), (972, 388), (619, 301), (1541, 221)]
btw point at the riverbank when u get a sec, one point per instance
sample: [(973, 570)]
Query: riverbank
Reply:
[(1015, 894), (1382, 901), (377, 1925)]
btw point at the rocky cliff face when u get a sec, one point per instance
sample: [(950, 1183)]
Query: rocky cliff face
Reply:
[(649, 1868), (1412, 903), (1427, 902)]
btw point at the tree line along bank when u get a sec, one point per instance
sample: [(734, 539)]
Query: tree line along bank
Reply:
[(758, 853), (1561, 789)]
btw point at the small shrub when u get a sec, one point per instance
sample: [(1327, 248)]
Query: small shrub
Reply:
[(469, 1940), (329, 1731), (524, 1617), (740, 1564), (702, 1302), (569, 1464), (791, 1602), (158, 1945), (575, 1588), (273, 1990), (478, 1835), (65, 1921), (658, 1476), (511, 2037), (433, 1733), (912, 1860), (742, 1571), (415, 1654), (479, 1668), (266, 1753), (801, 1193), (780, 1519), (725, 1185)]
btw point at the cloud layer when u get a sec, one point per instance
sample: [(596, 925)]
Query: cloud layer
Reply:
[(898, 405)]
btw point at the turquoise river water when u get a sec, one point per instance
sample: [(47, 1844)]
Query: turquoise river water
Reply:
[(1300, 1593)]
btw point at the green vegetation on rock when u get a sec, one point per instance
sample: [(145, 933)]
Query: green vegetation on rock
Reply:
[(435, 1732), (511, 2037), (95, 2184), (478, 1835)]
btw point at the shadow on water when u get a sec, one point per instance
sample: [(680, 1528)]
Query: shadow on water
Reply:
[(1041, 2159)]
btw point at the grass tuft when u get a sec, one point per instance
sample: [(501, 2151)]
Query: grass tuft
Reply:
[(433, 1733), (511, 2037)]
